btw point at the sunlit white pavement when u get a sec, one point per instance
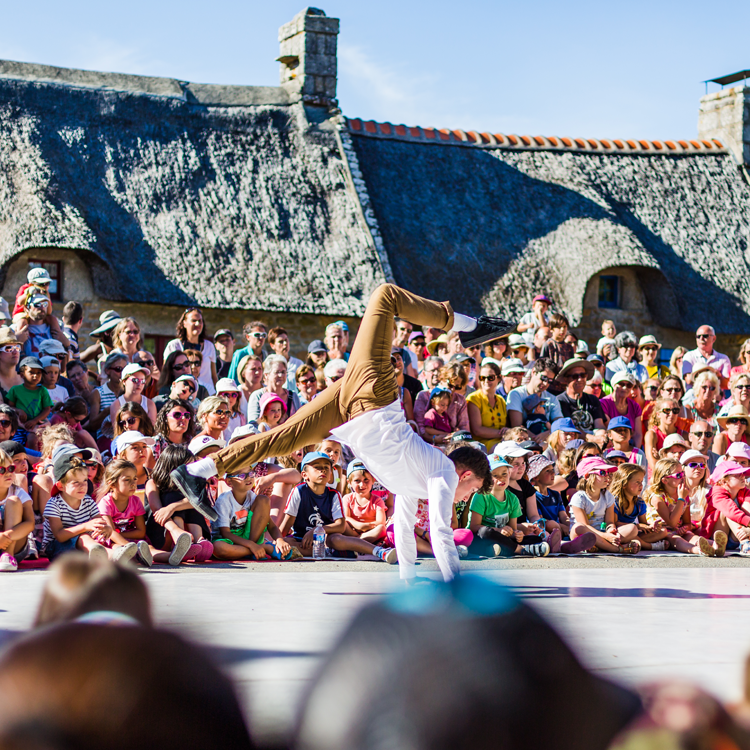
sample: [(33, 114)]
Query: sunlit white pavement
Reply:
[(271, 628)]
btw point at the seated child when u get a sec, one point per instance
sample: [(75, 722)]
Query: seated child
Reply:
[(436, 422), (551, 508), (593, 507), (314, 503), (71, 517), (728, 506), (16, 518), (536, 422), (244, 517), (123, 510), (332, 448), (364, 508), (493, 518), (31, 398), (272, 412), (50, 375), (630, 510)]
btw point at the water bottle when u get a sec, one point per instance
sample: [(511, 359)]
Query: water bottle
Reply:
[(319, 543)]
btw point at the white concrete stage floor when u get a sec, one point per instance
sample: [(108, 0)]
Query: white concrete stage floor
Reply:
[(270, 628)]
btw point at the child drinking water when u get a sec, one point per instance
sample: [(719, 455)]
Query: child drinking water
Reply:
[(436, 422), (630, 510), (31, 398), (593, 507), (123, 510), (364, 508), (16, 518), (493, 517), (668, 507), (239, 510)]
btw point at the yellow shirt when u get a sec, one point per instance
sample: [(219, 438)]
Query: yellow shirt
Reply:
[(495, 418), (657, 372)]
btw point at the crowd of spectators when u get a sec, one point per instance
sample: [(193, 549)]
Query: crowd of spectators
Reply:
[(615, 450)]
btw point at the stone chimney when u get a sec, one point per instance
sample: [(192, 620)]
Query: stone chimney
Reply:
[(308, 57), (725, 115)]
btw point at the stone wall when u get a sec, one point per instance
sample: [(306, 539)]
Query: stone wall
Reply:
[(725, 115), (156, 319)]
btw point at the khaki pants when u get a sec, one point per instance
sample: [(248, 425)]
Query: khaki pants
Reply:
[(369, 381)]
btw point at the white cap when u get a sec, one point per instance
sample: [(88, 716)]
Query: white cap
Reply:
[(510, 366), (244, 431), (509, 449), (226, 385), (50, 362), (690, 455), (200, 443), (38, 276), (132, 369), (129, 438), (674, 439)]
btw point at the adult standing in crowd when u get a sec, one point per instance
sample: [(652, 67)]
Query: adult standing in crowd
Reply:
[(72, 318), (250, 375), (275, 380), (705, 395), (704, 356), (109, 391), (649, 348), (744, 357), (416, 346), (278, 340), (99, 351), (585, 410), (412, 385), (145, 359), (191, 335), (626, 344), (317, 355), (620, 404), (675, 361), (255, 334), (78, 374), (337, 340), (307, 384), (126, 338), (402, 330), (224, 345), (431, 372), (37, 323), (176, 365)]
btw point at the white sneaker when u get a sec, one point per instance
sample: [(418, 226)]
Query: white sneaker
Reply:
[(144, 553), (391, 556), (8, 563), (98, 553), (463, 551), (124, 553), (33, 553), (661, 546)]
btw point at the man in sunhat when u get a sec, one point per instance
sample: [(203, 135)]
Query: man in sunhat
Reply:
[(583, 408)]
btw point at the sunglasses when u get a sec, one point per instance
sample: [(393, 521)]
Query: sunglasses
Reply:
[(743, 386), (580, 376), (600, 473), (308, 381), (5, 423), (194, 362), (699, 434), (7, 469), (672, 390), (678, 475), (90, 464), (737, 420), (258, 335), (488, 378), (10, 349), (146, 362), (180, 367), (138, 381), (545, 379), (180, 415), (116, 369), (652, 388), (129, 421), (40, 305), (241, 475), (336, 378), (695, 465), (454, 387), (629, 346), (701, 336), (230, 394), (223, 413), (673, 410), (650, 349), (132, 332)]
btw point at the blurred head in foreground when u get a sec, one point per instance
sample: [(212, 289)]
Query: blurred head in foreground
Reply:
[(459, 665)]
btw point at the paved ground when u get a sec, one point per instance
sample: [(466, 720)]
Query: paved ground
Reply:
[(631, 619)]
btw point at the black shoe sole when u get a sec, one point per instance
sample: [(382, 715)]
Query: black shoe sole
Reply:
[(497, 334), (198, 503)]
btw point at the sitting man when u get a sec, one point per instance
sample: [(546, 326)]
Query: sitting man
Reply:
[(542, 374), (363, 411), (37, 323)]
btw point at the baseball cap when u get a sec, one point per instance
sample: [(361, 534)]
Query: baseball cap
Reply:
[(460, 358), (223, 332), (497, 462), (619, 422), (62, 459), (595, 358), (615, 454), (565, 424), (510, 366), (35, 299), (415, 335), (622, 377), (33, 362), (439, 390), (12, 448), (728, 468), (314, 456), (531, 446), (739, 450), (244, 431), (201, 442), (537, 464), (51, 346), (316, 346), (38, 276), (674, 439), (355, 465), (226, 385), (186, 377), (73, 450), (573, 444), (50, 362), (581, 347), (130, 437), (516, 341), (269, 398), (541, 298), (593, 463), (132, 369), (510, 449), (693, 454)]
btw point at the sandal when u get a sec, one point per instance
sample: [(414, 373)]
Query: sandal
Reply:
[(631, 548)]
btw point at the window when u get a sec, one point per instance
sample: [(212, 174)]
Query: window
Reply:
[(54, 269), (609, 291)]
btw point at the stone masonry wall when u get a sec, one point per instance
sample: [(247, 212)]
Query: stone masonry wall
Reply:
[(725, 115)]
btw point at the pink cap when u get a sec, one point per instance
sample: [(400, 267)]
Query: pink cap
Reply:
[(542, 298), (739, 450), (267, 399), (728, 468), (593, 463)]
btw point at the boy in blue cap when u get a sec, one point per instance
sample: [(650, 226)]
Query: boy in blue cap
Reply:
[(619, 432)]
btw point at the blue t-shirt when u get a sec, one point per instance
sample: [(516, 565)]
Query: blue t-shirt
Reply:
[(639, 509), (550, 506), (310, 509)]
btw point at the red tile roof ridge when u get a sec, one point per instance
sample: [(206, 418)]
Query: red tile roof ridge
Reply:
[(476, 139)]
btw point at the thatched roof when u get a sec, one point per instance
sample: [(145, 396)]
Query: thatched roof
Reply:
[(488, 220), (178, 193)]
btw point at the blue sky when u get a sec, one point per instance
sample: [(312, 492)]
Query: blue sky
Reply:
[(586, 69)]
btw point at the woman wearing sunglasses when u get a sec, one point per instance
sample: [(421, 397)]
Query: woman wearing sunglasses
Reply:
[(191, 335), (734, 429), (668, 507), (133, 381), (706, 393), (663, 422), (670, 387), (739, 388), (227, 389), (213, 417), (10, 355), (133, 417), (175, 425)]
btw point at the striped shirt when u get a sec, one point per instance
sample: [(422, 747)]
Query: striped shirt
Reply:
[(58, 508)]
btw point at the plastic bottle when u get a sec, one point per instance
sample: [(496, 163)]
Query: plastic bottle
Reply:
[(319, 543)]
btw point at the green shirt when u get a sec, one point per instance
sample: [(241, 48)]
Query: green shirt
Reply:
[(32, 403), (496, 513)]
